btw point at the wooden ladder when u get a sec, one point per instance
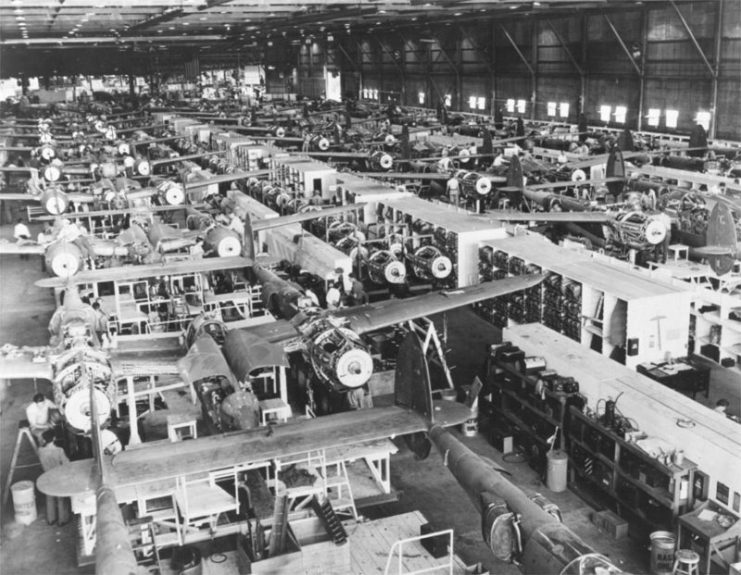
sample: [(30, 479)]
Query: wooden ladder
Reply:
[(23, 431)]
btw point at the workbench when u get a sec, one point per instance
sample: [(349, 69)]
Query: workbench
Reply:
[(684, 375)]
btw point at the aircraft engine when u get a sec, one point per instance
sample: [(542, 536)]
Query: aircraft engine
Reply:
[(319, 143), (223, 242), (123, 149), (337, 354), (74, 372), (142, 167), (381, 161), (296, 205), (276, 197), (338, 230), (63, 259), (429, 263), (171, 192), (473, 184), (350, 245), (279, 132), (54, 200), (52, 172), (638, 231), (384, 267), (47, 153), (464, 155)]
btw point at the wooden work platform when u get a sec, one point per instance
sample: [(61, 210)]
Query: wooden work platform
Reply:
[(578, 266), (371, 543), (707, 438)]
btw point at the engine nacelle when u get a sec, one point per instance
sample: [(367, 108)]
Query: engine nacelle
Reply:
[(337, 354), (429, 263), (639, 231), (223, 242), (473, 184), (384, 267), (54, 200), (63, 259), (381, 161)]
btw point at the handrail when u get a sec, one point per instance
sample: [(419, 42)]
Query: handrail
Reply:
[(398, 547)]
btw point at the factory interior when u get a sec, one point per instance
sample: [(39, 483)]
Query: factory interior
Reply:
[(370, 287)]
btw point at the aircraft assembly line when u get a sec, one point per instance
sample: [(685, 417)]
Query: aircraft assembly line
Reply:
[(243, 331)]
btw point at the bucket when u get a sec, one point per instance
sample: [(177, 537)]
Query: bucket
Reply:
[(662, 552), (449, 394), (24, 502), (471, 427), (558, 463)]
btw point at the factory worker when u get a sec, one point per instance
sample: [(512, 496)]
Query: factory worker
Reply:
[(51, 456), (334, 296), (721, 406), (22, 234), (311, 296), (357, 291), (39, 415), (453, 190)]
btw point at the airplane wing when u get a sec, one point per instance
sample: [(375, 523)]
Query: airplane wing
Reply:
[(21, 249), (186, 157), (582, 217), (370, 317), (269, 223), (128, 273), (22, 197), (571, 183), (428, 176), (139, 210), (225, 178), (24, 367), (171, 460)]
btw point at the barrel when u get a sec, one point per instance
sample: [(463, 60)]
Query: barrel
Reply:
[(558, 463), (24, 502), (662, 552)]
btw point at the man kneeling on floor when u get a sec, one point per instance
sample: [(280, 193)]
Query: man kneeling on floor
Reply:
[(51, 456)]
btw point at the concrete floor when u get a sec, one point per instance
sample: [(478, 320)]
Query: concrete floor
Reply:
[(424, 485)]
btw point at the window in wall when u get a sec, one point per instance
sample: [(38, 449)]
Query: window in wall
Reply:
[(654, 115), (604, 113), (375, 94), (511, 106), (472, 102), (620, 113), (481, 103), (671, 117), (563, 109), (551, 109), (736, 501), (448, 100), (421, 97), (703, 118), (521, 106), (722, 492)]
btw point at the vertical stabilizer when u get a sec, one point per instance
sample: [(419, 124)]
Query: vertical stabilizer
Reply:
[(514, 173), (412, 380)]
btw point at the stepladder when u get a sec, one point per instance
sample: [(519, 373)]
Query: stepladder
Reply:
[(24, 431)]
